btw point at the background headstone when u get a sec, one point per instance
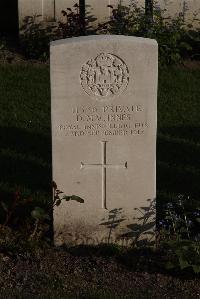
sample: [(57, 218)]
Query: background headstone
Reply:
[(48, 9), (104, 95)]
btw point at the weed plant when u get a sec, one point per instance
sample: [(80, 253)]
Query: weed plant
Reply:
[(176, 39)]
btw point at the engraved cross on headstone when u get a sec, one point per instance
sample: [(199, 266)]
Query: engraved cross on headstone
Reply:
[(103, 165)]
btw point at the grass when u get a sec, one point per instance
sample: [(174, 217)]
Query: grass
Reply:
[(178, 147), (25, 134), (25, 154)]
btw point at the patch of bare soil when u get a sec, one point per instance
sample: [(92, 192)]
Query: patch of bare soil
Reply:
[(57, 273), (191, 64), (14, 58)]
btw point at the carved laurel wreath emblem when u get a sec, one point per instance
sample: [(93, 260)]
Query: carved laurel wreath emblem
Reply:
[(104, 76)]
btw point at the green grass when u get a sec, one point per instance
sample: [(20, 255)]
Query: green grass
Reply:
[(178, 146), (25, 134), (25, 151)]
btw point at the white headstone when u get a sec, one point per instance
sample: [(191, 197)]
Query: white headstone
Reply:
[(104, 99), (50, 9)]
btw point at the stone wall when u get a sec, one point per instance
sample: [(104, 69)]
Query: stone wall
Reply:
[(51, 9)]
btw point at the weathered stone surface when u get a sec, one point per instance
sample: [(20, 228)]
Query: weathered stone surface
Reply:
[(43, 8), (104, 95)]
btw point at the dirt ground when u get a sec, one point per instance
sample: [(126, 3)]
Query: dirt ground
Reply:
[(13, 58), (59, 273)]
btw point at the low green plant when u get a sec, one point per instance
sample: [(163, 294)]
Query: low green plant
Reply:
[(174, 37), (41, 226), (59, 196), (25, 215), (179, 234), (146, 229), (5, 52), (21, 214), (9, 208), (36, 36), (193, 39), (170, 34), (183, 254), (72, 24), (75, 22)]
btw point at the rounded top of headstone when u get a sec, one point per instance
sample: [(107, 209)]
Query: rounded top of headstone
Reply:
[(100, 37)]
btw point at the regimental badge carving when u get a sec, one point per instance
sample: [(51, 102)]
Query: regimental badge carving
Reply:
[(104, 76)]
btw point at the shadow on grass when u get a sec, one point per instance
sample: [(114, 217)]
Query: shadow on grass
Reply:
[(25, 159), (178, 165)]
